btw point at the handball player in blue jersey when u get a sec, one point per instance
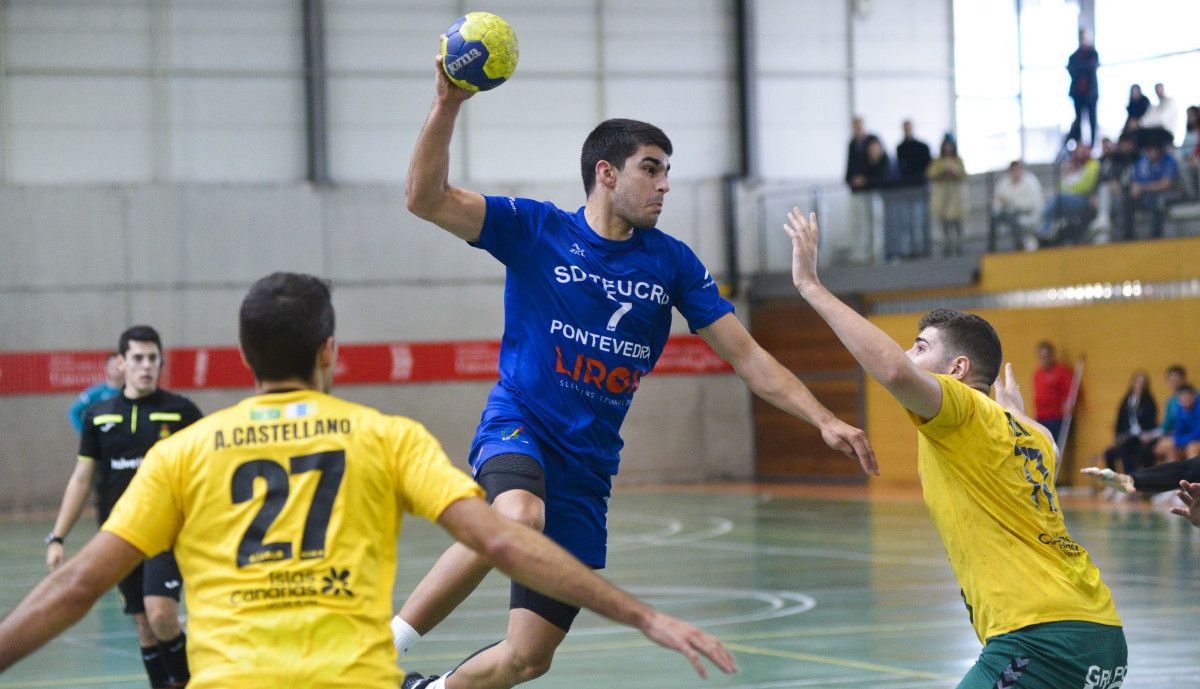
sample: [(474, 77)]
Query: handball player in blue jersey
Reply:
[(588, 298)]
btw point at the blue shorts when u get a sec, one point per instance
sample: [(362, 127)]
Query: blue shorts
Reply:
[(576, 495)]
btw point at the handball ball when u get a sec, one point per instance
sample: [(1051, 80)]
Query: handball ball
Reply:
[(479, 51)]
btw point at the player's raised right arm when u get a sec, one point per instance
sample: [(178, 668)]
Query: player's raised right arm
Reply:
[(427, 186)]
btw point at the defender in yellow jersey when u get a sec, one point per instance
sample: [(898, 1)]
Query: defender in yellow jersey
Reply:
[(1035, 599), (284, 512)]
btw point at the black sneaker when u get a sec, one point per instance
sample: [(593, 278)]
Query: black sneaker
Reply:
[(415, 680)]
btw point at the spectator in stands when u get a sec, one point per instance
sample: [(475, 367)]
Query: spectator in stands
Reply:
[(882, 177), (1187, 425), (909, 203), (1137, 106), (1116, 173), (948, 194), (1150, 189), (1161, 120), (1137, 419), (1188, 162), (1164, 449), (862, 213), (1051, 389), (1016, 204), (1071, 206), (114, 381), (1084, 90)]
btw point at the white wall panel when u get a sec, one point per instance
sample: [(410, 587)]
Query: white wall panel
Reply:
[(69, 129), (49, 34), (698, 114), (241, 234), (667, 36), (529, 130), (804, 127), (884, 102), (800, 36), (555, 38), (385, 35), (188, 317), (57, 240), (230, 35), (902, 36), (373, 126), (238, 130), (72, 319)]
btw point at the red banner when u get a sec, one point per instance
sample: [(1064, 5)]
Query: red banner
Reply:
[(395, 363)]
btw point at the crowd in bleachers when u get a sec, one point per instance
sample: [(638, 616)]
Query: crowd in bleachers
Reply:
[(1140, 440), (1123, 191)]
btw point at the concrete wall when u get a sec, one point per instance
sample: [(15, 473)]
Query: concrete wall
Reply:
[(152, 165)]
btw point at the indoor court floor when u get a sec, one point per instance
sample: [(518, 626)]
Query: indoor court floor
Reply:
[(810, 587)]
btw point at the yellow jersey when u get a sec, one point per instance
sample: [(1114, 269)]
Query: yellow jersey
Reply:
[(284, 511), (988, 482)]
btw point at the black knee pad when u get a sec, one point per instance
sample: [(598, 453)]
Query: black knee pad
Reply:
[(553, 611), (512, 471)]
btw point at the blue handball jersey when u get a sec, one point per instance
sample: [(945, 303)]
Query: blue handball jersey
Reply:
[(585, 318)]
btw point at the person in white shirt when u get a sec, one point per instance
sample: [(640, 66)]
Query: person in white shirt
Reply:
[(1163, 115), (1016, 204)]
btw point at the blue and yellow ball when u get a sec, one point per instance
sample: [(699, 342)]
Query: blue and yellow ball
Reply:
[(479, 51)]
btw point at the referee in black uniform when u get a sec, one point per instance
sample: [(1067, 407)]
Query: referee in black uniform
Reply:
[(117, 433)]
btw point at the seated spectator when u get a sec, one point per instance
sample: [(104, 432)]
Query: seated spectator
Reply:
[(948, 194), (1016, 204), (1150, 189), (1165, 447), (1137, 419), (1187, 425), (1072, 205), (1188, 162), (1116, 172), (1137, 106)]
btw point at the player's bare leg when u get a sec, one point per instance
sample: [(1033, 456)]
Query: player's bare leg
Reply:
[(459, 570), (525, 654)]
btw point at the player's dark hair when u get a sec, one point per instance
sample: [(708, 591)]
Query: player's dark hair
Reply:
[(1176, 368), (615, 140), (138, 333), (1047, 345), (283, 321), (1186, 388), (965, 334)]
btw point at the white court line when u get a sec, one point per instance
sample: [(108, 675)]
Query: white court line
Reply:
[(778, 604), (671, 534), (828, 553)]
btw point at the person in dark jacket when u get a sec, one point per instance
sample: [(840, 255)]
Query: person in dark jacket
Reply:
[(907, 220), (1137, 419), (1137, 106), (1084, 91)]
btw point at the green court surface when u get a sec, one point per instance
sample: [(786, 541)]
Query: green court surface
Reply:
[(807, 592)]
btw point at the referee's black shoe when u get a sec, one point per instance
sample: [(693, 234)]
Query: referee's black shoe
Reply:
[(415, 680)]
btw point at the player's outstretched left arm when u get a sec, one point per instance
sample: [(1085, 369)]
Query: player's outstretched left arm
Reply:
[(880, 356), (537, 562), (65, 596), (1189, 493), (771, 380)]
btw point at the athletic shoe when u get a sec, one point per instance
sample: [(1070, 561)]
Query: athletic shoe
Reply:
[(415, 680)]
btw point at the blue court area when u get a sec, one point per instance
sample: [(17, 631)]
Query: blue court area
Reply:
[(807, 589)]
